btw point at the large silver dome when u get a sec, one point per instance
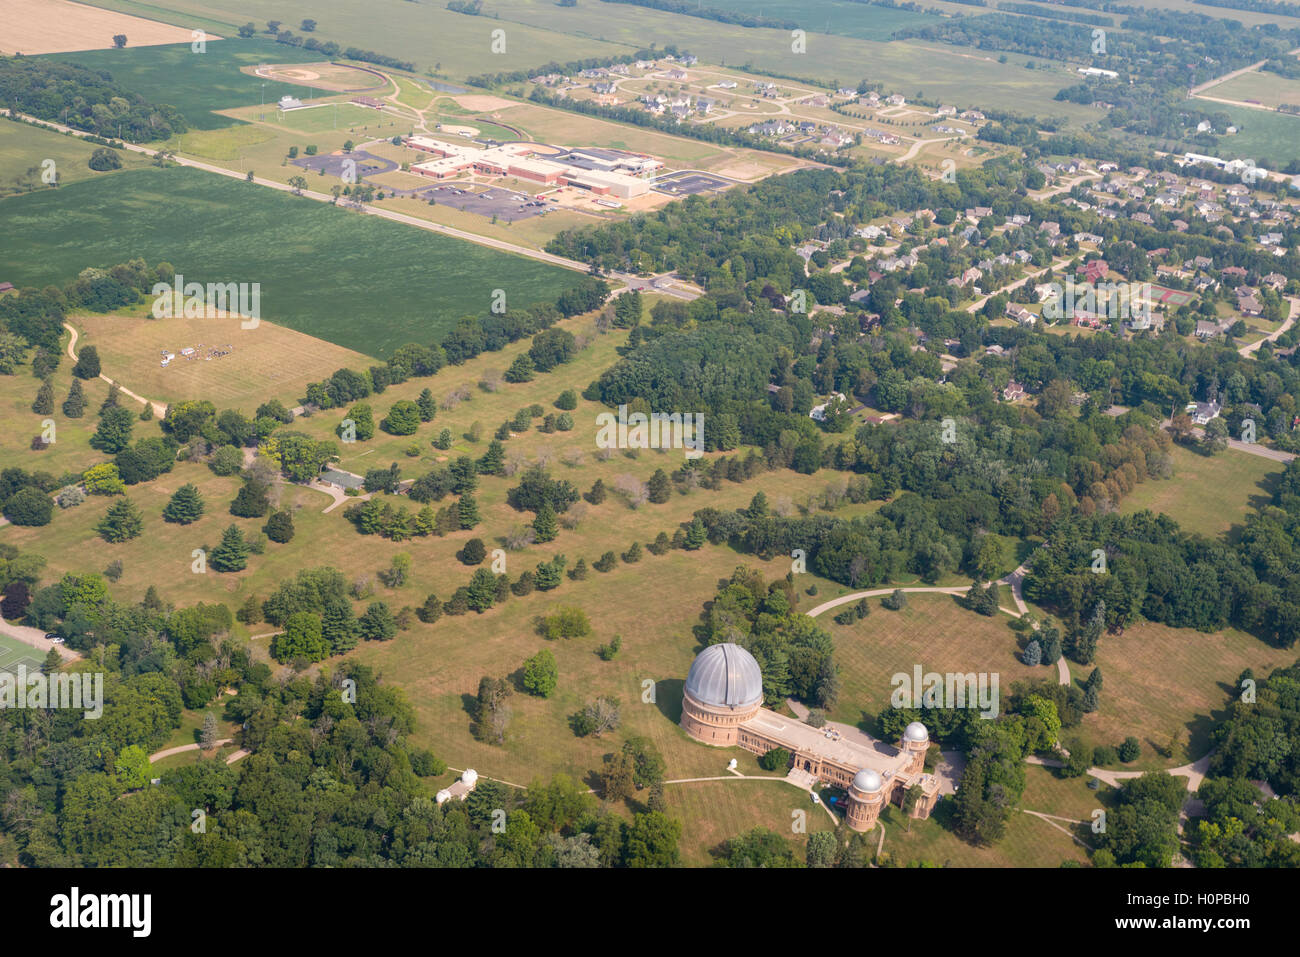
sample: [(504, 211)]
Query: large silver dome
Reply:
[(725, 675), (916, 732), (868, 781)]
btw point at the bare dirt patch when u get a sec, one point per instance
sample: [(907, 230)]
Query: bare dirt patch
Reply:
[(57, 26), (480, 102)]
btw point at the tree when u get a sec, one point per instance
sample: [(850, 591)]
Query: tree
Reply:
[(303, 637), (102, 160), (545, 525), (297, 184), (493, 460), (114, 432), (659, 487), (208, 736), (253, 499), (53, 661), (279, 527), (430, 611), (1033, 653), (521, 370), (43, 404), (119, 40), (652, 841), (363, 422), (567, 401), (74, 406), (774, 760), (617, 777), (377, 622), (821, 849), (403, 418), (120, 523), (1092, 691), (232, 554), (491, 712), (597, 493), (29, 506), (600, 715), (185, 506), (473, 552), (1216, 436), (1130, 749), (87, 366), (468, 511), (427, 405), (540, 674), (247, 30), (695, 535), (103, 480)]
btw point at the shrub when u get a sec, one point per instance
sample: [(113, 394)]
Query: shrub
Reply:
[(774, 760)]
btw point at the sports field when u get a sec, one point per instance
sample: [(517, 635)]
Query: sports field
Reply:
[(14, 653), (197, 83), (354, 280)]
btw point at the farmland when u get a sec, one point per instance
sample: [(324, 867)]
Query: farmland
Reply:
[(196, 83), (25, 152), (321, 269)]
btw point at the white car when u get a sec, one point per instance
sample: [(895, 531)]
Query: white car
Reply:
[(57, 641)]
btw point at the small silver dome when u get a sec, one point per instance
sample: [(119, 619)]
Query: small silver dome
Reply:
[(916, 732), (868, 781), (725, 675)]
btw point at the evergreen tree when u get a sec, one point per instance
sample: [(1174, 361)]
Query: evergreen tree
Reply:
[(757, 506), (252, 500), (493, 461), (695, 535), (208, 736), (52, 663), (468, 511), (121, 522), (659, 487), (279, 527), (428, 405), (1092, 691), (114, 432), (545, 524), (1051, 638), (185, 506), (633, 554), (579, 571), (597, 493), (443, 441), (87, 366), (430, 611), (605, 562), (482, 590), (1033, 653), (43, 404), (232, 554), (473, 552), (74, 406), (548, 574), (377, 623)]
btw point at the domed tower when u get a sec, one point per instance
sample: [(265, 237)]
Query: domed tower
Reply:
[(724, 689), (866, 798), (916, 741)]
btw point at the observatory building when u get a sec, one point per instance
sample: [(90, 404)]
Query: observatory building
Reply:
[(722, 705)]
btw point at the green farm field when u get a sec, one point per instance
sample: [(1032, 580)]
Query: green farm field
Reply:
[(1271, 139), (197, 83), (354, 280), (831, 17)]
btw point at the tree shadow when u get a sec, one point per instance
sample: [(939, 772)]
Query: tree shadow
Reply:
[(668, 698)]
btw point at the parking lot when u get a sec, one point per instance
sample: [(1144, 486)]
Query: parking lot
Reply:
[(367, 164), (506, 205), (689, 182)]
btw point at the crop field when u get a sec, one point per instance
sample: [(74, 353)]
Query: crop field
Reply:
[(25, 150), (52, 26), (832, 17), (427, 34), (321, 268), (1272, 140), (197, 83), (1269, 89)]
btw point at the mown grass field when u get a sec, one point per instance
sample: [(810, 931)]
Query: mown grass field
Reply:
[(1208, 494), (932, 631), (713, 812), (24, 150), (267, 362), (1166, 684), (197, 83), (1028, 842), (353, 280)]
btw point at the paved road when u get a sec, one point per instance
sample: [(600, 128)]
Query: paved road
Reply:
[(1274, 336)]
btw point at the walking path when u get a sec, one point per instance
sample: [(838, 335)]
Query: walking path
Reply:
[(159, 408)]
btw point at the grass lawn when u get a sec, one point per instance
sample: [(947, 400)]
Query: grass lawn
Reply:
[(932, 631), (1208, 494), (267, 362), (1028, 842), (25, 152), (713, 812), (354, 280), (1167, 684)]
